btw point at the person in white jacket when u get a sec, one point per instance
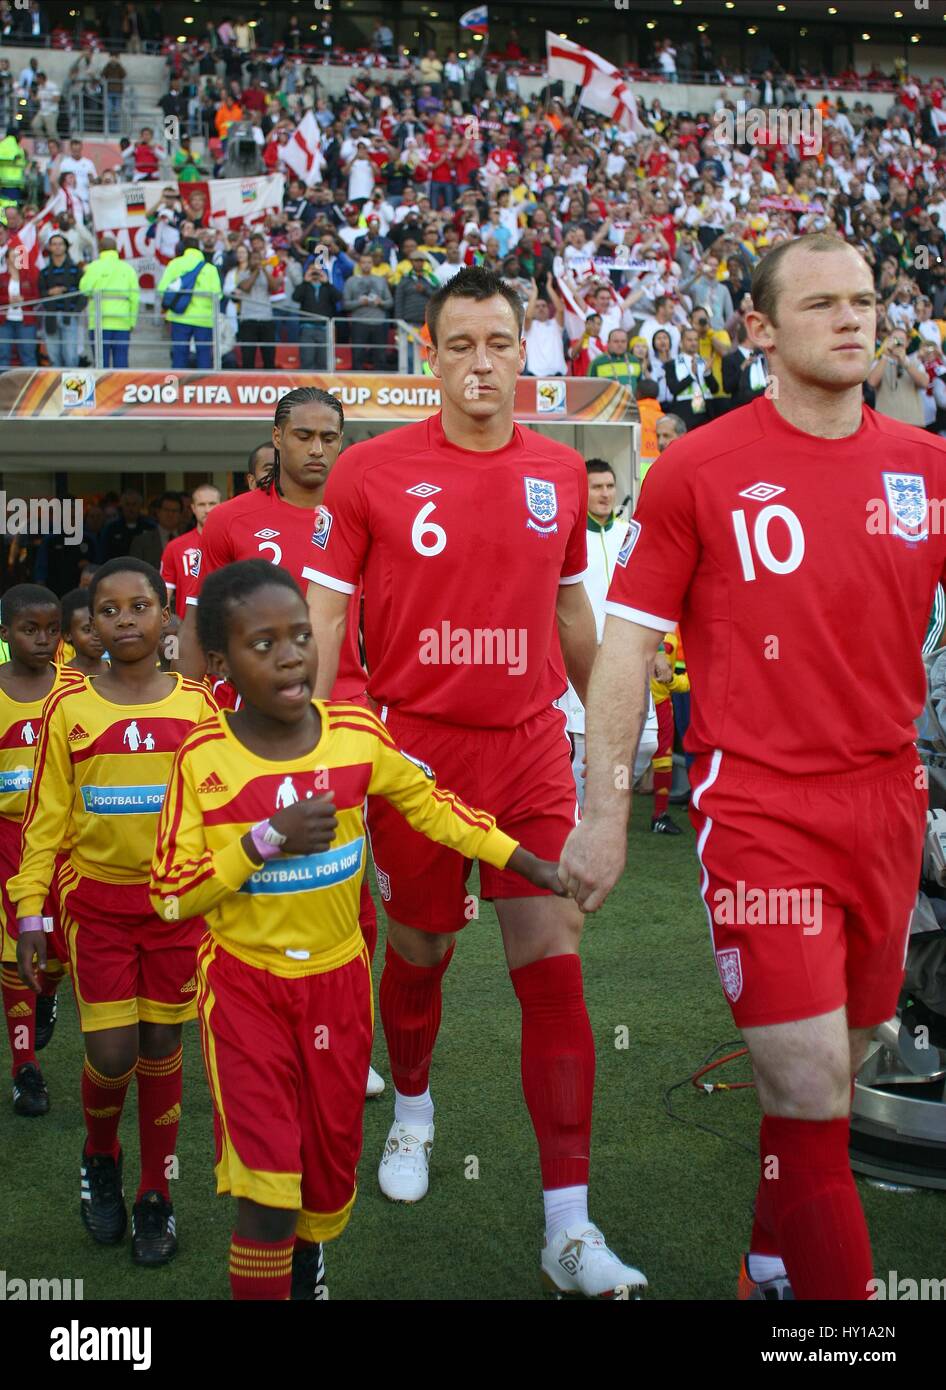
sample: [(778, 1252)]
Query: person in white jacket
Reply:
[(606, 535)]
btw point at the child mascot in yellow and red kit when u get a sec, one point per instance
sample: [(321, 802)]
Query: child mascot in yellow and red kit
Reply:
[(30, 626), (262, 833), (102, 766)]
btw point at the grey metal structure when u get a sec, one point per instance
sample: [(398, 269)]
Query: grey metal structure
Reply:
[(898, 1117)]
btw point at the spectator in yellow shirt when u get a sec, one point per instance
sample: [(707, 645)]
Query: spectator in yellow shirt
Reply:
[(713, 347)]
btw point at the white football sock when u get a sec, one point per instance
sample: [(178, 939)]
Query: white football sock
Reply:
[(760, 1268), (565, 1206), (413, 1110)]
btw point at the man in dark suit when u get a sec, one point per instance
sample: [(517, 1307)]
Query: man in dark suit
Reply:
[(150, 544), (745, 370), (118, 535)]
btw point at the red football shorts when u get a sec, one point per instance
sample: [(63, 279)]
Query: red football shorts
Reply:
[(809, 884), (128, 966), (287, 1061), (11, 835), (522, 776)]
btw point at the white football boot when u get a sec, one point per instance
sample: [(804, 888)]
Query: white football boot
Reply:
[(375, 1086), (578, 1264), (403, 1171)]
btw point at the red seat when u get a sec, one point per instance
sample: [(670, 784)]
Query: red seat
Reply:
[(287, 357)]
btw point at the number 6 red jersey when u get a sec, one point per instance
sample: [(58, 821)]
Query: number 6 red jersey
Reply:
[(461, 554), (802, 572)]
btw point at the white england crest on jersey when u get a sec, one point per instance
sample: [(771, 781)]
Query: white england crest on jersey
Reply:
[(629, 542), (906, 499), (729, 965), (541, 499)]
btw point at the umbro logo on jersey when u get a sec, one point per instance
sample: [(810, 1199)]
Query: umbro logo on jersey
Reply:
[(76, 733), (762, 492), (422, 490), (212, 784), (267, 534)]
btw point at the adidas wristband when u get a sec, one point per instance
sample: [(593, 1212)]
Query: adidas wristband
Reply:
[(264, 848)]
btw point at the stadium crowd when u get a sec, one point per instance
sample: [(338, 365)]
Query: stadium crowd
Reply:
[(632, 250)]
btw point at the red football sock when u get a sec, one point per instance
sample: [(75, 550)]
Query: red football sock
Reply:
[(411, 1004), (663, 779), (260, 1269), (368, 919), (160, 1087), (19, 1010), (102, 1100), (819, 1221), (558, 1066), (764, 1240)]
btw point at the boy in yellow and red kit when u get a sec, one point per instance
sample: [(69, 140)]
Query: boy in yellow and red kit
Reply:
[(30, 626), (666, 681), (263, 832), (102, 764)]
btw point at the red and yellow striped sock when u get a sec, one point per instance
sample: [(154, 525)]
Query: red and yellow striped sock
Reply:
[(160, 1087), (19, 1010), (102, 1100), (261, 1270)]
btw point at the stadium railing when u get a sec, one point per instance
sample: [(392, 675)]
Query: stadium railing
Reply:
[(302, 342)]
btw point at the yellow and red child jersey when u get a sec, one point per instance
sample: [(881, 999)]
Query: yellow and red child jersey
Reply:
[(99, 782), (296, 914), (21, 722), (661, 690)]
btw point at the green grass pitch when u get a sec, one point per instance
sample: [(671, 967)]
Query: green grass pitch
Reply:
[(669, 1198)]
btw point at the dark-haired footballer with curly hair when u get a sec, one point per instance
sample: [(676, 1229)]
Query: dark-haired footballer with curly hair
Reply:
[(102, 764), (263, 833)]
